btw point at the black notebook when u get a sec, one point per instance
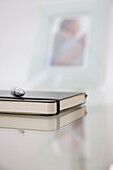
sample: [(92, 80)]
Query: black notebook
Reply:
[(44, 103)]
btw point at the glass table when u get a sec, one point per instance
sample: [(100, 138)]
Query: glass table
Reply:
[(84, 144)]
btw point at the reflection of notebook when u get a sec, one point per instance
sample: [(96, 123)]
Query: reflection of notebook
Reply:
[(46, 103), (42, 123)]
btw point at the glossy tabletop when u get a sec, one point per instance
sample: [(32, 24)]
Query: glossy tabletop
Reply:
[(85, 144)]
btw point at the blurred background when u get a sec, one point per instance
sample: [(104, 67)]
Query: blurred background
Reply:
[(59, 45), (18, 36)]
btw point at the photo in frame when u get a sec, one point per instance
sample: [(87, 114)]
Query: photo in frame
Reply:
[(69, 41), (71, 45)]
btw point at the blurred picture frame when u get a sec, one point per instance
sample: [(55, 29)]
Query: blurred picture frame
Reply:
[(68, 45), (90, 70)]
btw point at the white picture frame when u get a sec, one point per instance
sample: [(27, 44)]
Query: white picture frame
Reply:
[(45, 76)]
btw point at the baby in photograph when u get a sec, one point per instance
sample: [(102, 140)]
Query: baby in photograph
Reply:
[(69, 44)]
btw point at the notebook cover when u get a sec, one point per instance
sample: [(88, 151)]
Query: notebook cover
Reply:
[(35, 95)]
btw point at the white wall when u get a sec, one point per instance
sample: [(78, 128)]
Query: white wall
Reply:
[(17, 36), (108, 86), (17, 26)]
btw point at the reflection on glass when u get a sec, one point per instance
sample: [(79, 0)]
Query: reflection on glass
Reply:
[(43, 123), (66, 148), (82, 145)]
